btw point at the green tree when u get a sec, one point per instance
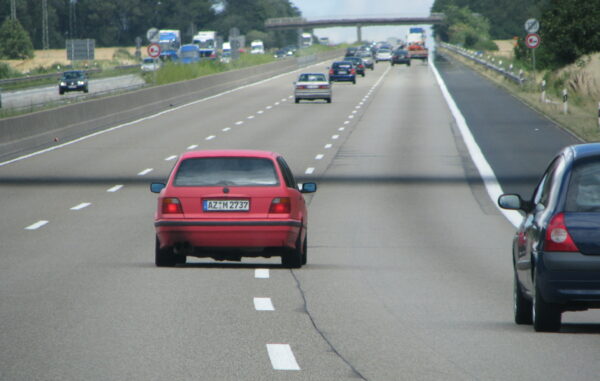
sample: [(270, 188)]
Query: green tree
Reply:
[(16, 43), (569, 29), (465, 28)]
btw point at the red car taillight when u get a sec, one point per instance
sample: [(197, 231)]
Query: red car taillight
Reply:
[(557, 235), (331, 72), (301, 87), (213, 55), (361, 66), (353, 71), (171, 205), (280, 205), (323, 86)]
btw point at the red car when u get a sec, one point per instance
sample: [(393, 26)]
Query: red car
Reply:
[(230, 204)]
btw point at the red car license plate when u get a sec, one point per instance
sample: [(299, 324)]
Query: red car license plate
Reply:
[(226, 205)]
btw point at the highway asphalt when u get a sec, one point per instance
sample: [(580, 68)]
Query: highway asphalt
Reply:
[(408, 277)]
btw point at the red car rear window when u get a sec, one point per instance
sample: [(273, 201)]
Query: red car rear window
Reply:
[(222, 171)]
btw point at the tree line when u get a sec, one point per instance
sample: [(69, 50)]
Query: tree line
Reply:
[(119, 22), (569, 29)]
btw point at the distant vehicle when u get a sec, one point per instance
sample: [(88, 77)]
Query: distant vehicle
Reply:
[(257, 47), (324, 41), (226, 52), (189, 54), (341, 71), (206, 41), (73, 80), (307, 40), (229, 204), (170, 42), (150, 64), (351, 51), (312, 86), (418, 51), (291, 49), (401, 57), (367, 59), (280, 53), (556, 249), (383, 54), (359, 64)]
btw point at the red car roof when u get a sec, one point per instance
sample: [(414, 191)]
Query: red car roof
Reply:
[(229, 152)]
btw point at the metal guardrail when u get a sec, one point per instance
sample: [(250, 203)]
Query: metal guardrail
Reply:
[(518, 78)]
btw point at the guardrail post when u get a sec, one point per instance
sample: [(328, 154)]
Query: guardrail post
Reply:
[(543, 96), (565, 101), (598, 114), (0, 97), (521, 77)]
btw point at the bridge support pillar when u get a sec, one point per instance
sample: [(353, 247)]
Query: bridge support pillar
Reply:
[(359, 33)]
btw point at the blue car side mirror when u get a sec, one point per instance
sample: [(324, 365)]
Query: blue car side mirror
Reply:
[(308, 188), (156, 187)]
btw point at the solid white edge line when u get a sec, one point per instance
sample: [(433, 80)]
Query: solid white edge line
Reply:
[(486, 172), (145, 172), (81, 206), (263, 304), (282, 357), (261, 273), (49, 149), (115, 188), (37, 225)]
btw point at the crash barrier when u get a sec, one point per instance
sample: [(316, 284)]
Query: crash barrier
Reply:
[(477, 57), (42, 129), (4, 82)]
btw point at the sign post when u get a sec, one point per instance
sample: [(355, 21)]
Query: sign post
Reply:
[(532, 40), (154, 52)]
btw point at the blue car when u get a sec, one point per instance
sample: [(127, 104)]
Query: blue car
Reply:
[(189, 54), (342, 71), (556, 249)]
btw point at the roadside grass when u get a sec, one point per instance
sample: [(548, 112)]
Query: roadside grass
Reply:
[(583, 90)]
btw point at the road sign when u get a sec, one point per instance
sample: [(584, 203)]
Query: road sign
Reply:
[(152, 35), (154, 50), (532, 26), (532, 40)]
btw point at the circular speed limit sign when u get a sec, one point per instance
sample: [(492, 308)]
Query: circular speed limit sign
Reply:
[(532, 40), (154, 50)]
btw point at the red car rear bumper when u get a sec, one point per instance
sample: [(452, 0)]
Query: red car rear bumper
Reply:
[(228, 234)]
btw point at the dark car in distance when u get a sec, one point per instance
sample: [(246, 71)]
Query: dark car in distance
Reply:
[(556, 249), (400, 56), (359, 64), (342, 71), (73, 80)]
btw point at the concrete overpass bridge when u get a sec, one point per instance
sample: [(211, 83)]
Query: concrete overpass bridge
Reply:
[(301, 23)]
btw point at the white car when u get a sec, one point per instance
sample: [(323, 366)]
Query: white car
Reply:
[(383, 54), (312, 86), (148, 64)]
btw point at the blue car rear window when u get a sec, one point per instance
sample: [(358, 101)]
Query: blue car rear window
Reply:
[(226, 171), (583, 194)]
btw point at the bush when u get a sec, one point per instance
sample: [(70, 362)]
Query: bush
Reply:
[(16, 43)]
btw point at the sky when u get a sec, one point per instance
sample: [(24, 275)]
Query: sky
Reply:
[(336, 9)]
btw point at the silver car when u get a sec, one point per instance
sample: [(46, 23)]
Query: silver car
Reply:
[(312, 86), (383, 54)]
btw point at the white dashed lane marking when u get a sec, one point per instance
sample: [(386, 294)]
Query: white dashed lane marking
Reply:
[(193, 146), (239, 122), (250, 116), (282, 357), (261, 273), (260, 112), (211, 137), (145, 172), (172, 157), (263, 304), (115, 188), (328, 146), (226, 129), (37, 225), (319, 157), (269, 107), (309, 170), (341, 129), (335, 137), (81, 206)]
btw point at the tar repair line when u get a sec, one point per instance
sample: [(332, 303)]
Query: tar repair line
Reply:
[(486, 172)]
